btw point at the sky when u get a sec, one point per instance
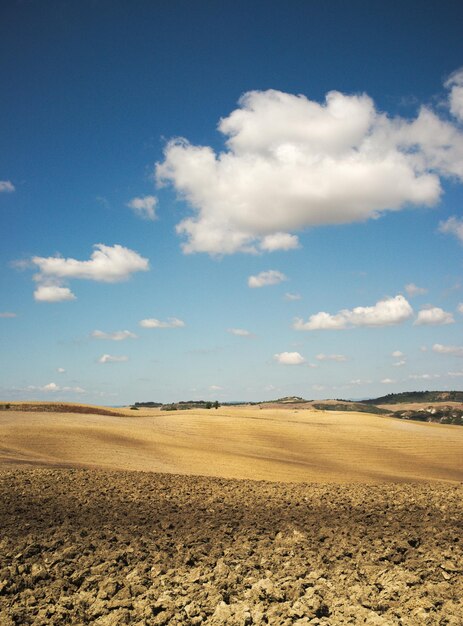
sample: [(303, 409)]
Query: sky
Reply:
[(230, 200)]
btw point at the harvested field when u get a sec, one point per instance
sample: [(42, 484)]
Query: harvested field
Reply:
[(288, 445), (112, 548)]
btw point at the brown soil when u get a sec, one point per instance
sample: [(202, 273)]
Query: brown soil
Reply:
[(99, 547)]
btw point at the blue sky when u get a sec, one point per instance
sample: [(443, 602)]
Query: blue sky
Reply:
[(235, 200)]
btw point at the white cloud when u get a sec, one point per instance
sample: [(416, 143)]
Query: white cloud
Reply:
[(452, 226), (452, 350), (172, 322), (423, 376), (455, 374), (399, 363), (215, 388), (397, 354), (289, 358), (388, 381), (270, 277), (6, 186), (240, 332), (118, 335), (144, 207), (386, 312), (413, 290), (60, 370), (292, 296), (54, 388), (460, 308), (109, 264), (8, 314), (455, 84), (279, 241), (331, 357), (433, 316), (53, 293), (290, 163), (109, 358)]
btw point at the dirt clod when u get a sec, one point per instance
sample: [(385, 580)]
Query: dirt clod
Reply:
[(113, 548)]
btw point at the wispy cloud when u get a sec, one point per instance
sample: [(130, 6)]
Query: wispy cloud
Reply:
[(144, 207), (110, 358), (8, 314), (413, 290), (172, 322), (387, 312), (240, 332), (452, 226), (264, 279), (331, 357), (118, 335), (452, 350), (423, 376), (54, 388), (292, 297), (6, 186)]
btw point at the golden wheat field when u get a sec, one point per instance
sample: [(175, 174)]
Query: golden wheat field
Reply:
[(247, 442)]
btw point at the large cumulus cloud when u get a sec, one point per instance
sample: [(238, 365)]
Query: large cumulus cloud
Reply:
[(290, 163)]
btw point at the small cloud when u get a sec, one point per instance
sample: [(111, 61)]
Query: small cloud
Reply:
[(279, 241), (460, 308), (452, 226), (433, 316), (60, 370), (289, 358), (264, 279), (423, 376), (109, 358), (292, 296), (331, 357), (397, 354), (388, 381), (399, 363), (452, 350), (8, 315), (118, 335), (53, 293), (215, 388), (240, 332), (172, 322), (318, 387), (455, 374), (387, 312), (455, 84), (107, 264), (412, 290), (50, 387), (6, 186), (54, 388), (144, 207)]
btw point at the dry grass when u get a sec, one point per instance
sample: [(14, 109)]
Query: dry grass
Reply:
[(241, 442)]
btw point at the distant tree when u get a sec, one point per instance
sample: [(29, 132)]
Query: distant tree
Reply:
[(208, 405), (216, 404)]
